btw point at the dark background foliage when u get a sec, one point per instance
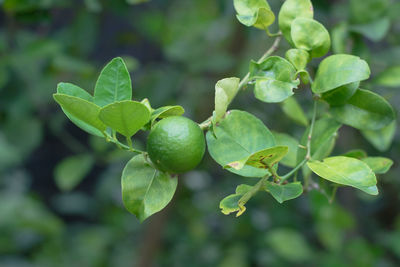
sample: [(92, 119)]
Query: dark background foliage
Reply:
[(60, 202)]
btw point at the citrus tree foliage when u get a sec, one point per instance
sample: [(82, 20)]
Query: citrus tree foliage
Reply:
[(240, 142)]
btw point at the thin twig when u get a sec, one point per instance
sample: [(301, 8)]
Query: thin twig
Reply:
[(245, 80)]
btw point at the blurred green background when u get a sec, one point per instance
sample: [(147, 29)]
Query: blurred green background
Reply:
[(60, 202)]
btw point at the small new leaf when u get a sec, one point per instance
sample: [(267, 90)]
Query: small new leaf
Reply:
[(114, 84), (310, 35), (275, 79), (290, 10), (225, 91), (255, 13)]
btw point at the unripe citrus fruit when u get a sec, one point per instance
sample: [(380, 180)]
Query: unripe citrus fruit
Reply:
[(176, 144)]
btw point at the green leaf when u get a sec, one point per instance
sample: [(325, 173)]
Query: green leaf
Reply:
[(337, 70), (81, 109), (298, 58), (126, 117), (378, 165), (374, 30), (225, 91), (146, 102), (389, 77), (114, 84), (73, 90), (255, 13), (71, 171), (166, 111), (356, 153), (275, 79), (282, 139), (346, 171), (262, 159), (290, 10), (284, 192), (293, 110), (237, 136), (310, 35), (383, 138), (340, 95), (145, 190), (231, 203), (365, 110)]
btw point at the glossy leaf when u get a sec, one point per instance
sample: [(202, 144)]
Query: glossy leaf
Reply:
[(290, 10), (81, 109), (282, 139), (237, 136), (125, 117), (114, 84), (378, 165), (340, 95), (255, 13), (293, 110), (346, 171), (337, 70), (310, 35), (275, 79), (365, 110), (72, 170), (166, 111), (73, 90), (262, 159), (381, 139), (284, 192), (145, 190), (231, 203), (225, 91), (389, 77), (374, 30), (298, 58)]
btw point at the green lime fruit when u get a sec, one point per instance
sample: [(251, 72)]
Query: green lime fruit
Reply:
[(176, 144)]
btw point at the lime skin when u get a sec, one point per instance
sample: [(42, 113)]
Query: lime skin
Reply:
[(176, 144)]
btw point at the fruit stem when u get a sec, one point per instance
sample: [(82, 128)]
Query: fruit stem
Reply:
[(120, 145)]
